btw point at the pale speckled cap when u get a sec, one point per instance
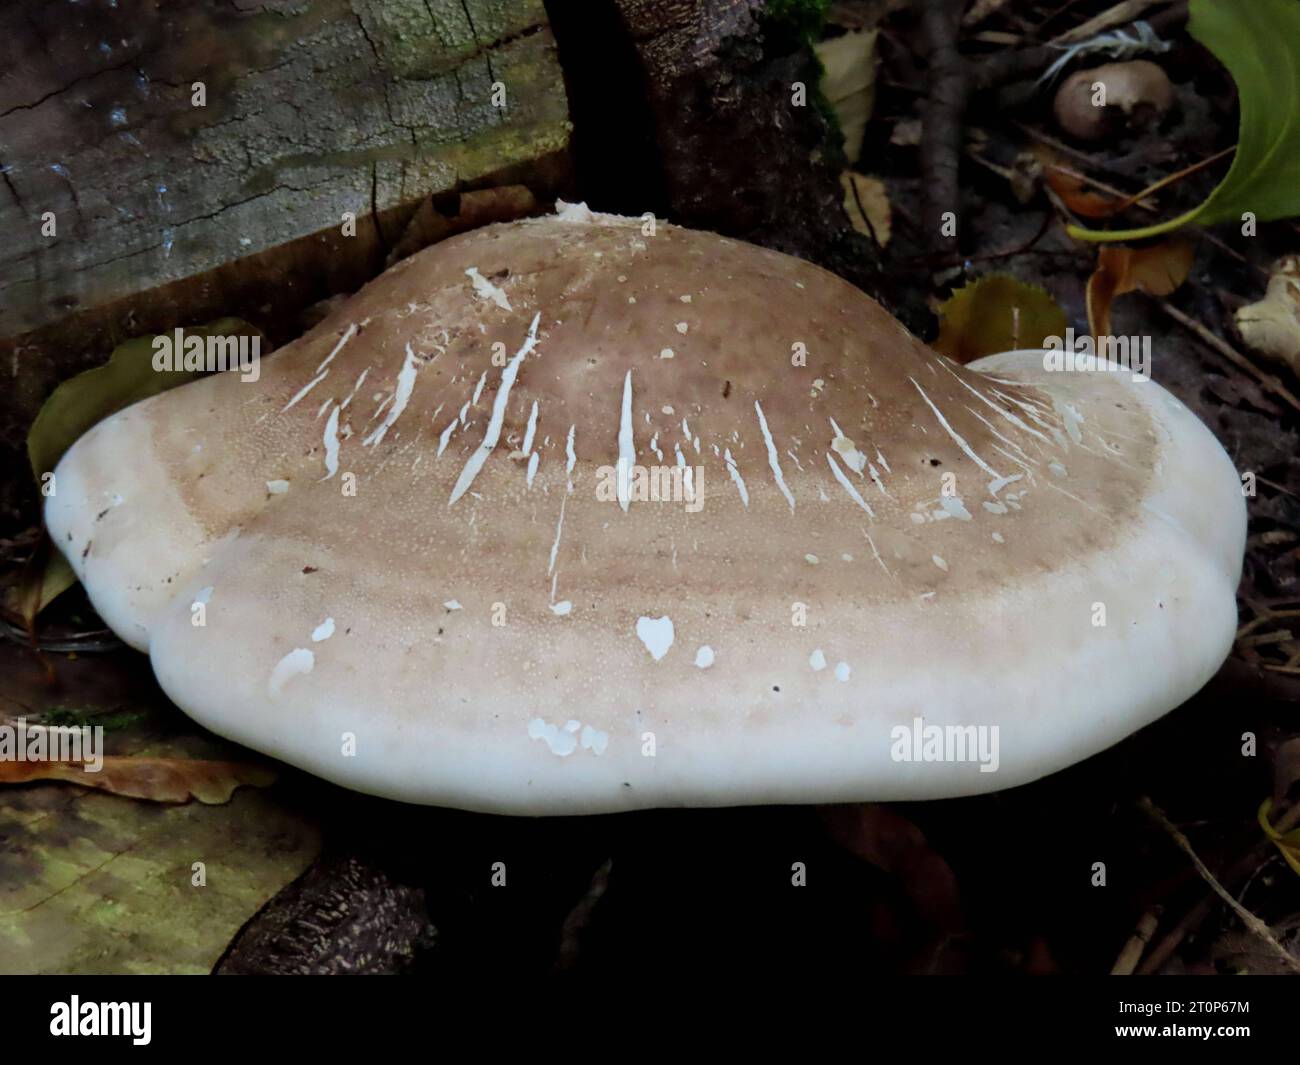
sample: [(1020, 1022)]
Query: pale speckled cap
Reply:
[(413, 579)]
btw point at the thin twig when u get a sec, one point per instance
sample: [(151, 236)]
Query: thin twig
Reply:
[(997, 37), (981, 10), (1169, 179), (1010, 65), (1280, 488), (1137, 943), (1269, 615), (1244, 867), (1122, 13), (1252, 923), (1169, 942), (1270, 383), (1085, 159), (853, 188), (1224, 246), (1096, 183), (941, 129)]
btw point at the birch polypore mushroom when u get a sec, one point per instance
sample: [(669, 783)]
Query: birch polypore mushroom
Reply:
[(422, 555)]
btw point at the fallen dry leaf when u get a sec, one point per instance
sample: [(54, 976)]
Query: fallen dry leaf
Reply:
[(849, 84), (1272, 326), (92, 882), (173, 780), (866, 202), (45, 576), (889, 841), (994, 314), (1157, 270), (1079, 195)]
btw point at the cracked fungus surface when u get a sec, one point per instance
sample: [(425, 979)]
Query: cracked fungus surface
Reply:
[(399, 531)]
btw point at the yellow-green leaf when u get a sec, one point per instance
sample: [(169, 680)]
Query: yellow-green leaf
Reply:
[(45, 577), (849, 84), (128, 377), (994, 314), (1288, 843)]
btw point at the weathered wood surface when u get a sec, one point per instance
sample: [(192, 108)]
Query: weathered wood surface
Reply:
[(168, 213), (313, 109)]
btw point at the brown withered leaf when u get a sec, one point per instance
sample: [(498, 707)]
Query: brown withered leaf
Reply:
[(1156, 270), (889, 841), (1272, 325), (996, 313), (92, 882), (44, 577), (1076, 192), (866, 202), (170, 780), (1077, 195)]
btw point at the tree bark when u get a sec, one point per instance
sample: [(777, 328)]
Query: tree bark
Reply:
[(708, 113)]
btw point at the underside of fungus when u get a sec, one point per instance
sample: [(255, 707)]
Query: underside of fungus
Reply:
[(396, 559)]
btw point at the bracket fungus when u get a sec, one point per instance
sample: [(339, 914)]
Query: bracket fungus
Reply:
[(562, 516)]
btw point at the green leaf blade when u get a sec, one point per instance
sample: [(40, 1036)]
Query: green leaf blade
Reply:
[(1259, 43)]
